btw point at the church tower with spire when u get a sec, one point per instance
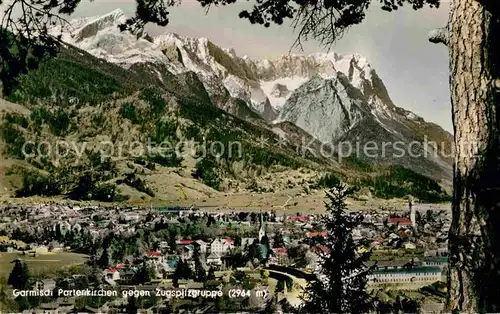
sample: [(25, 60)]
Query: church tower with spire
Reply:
[(262, 231)]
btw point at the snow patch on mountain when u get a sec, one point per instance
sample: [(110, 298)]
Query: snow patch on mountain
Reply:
[(270, 87), (251, 80), (291, 83), (328, 95)]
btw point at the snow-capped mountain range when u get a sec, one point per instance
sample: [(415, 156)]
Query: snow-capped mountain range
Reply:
[(330, 96)]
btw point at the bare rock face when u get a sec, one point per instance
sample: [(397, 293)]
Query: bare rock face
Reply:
[(172, 53), (335, 99)]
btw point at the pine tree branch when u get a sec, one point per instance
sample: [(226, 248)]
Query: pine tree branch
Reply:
[(439, 36)]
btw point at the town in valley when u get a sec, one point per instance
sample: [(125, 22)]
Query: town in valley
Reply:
[(176, 259)]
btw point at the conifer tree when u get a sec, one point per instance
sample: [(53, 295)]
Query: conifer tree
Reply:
[(267, 245), (19, 277), (200, 274), (132, 307), (341, 287), (278, 240), (182, 271), (211, 273), (104, 260)]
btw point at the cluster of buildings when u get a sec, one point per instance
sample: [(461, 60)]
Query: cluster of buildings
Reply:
[(409, 249)]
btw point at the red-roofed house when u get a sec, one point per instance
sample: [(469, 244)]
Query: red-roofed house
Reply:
[(229, 241), (280, 256), (153, 255), (302, 218), (280, 250), (402, 221), (184, 242), (120, 266), (112, 274), (317, 234), (320, 249)]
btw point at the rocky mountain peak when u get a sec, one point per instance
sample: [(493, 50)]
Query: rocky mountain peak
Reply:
[(328, 95)]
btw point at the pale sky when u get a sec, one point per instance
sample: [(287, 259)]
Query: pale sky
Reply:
[(414, 71)]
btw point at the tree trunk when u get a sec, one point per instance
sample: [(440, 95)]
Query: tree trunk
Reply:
[(474, 238)]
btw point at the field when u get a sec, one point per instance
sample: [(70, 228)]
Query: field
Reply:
[(289, 202), (42, 264)]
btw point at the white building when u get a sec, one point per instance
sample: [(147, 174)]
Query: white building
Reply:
[(417, 275), (262, 231), (435, 261), (410, 246), (221, 247), (413, 217), (214, 259), (131, 217)]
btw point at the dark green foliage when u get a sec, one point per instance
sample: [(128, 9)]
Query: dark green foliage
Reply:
[(399, 305), (237, 241), (86, 181), (64, 82), (193, 132), (165, 131), (88, 189), (196, 89), (143, 275), (59, 121), (346, 274), (128, 111), (36, 184), (182, 271), (17, 119), (147, 302), (400, 182), (202, 114), (438, 289), (93, 302), (206, 170), (199, 272), (14, 138), (167, 160), (328, 180), (243, 111), (211, 274), (254, 251), (139, 184), (23, 303), (40, 115), (20, 277), (267, 157), (20, 54), (153, 96), (298, 256), (143, 161), (358, 164), (105, 259), (278, 240), (132, 307)]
